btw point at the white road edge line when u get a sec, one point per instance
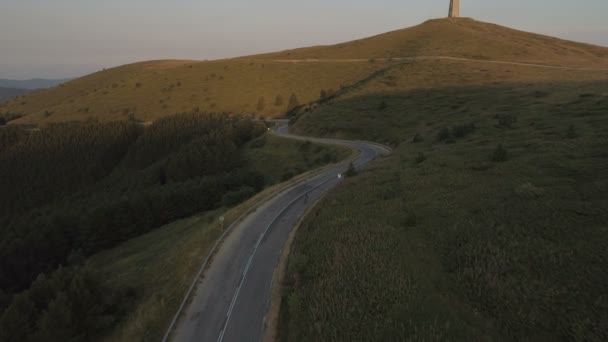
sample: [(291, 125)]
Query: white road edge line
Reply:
[(213, 250), (236, 294), (239, 220)]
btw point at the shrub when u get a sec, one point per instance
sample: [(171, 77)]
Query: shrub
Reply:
[(417, 138), (410, 219), (323, 95), (420, 158), (261, 104), (293, 102), (2, 121), (444, 134), (383, 105), (461, 131), (529, 190), (571, 134), (329, 158), (351, 171), (305, 146), (500, 154), (506, 120), (233, 198), (287, 175), (259, 142)]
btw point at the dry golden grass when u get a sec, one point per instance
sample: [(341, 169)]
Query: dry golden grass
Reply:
[(150, 90), (461, 37), (431, 74)]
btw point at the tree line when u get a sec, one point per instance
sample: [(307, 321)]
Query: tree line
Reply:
[(78, 188)]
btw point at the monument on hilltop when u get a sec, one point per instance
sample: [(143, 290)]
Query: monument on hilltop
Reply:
[(454, 9)]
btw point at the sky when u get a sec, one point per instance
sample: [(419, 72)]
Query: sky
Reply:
[(70, 38)]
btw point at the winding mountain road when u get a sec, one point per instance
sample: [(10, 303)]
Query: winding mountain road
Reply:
[(231, 298)]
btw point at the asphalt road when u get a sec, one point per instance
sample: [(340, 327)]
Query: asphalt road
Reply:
[(232, 298)]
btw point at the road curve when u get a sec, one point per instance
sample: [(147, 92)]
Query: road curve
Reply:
[(232, 297)]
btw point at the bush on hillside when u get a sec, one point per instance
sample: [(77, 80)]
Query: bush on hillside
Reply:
[(382, 106), (461, 131), (571, 133), (417, 138), (323, 95), (351, 171), (506, 120), (420, 158), (500, 154), (293, 103), (236, 197), (261, 104), (444, 134)]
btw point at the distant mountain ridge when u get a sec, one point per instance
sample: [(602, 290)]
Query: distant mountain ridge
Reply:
[(31, 84)]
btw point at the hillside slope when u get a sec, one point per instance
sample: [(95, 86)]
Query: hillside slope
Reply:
[(150, 90), (264, 84), (462, 37), (486, 223)]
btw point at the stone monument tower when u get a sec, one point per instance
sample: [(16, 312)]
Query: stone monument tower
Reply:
[(454, 9)]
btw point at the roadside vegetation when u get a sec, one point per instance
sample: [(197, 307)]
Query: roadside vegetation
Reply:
[(73, 190), (488, 221)]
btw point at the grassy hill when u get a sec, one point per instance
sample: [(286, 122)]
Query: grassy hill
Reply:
[(264, 84), (462, 37), (487, 223), (150, 90)]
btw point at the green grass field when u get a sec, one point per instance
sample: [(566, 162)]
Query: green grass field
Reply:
[(160, 265), (453, 237)]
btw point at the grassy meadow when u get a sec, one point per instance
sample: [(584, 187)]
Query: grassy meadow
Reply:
[(489, 222)]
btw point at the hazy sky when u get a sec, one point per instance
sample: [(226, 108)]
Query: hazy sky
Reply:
[(67, 38)]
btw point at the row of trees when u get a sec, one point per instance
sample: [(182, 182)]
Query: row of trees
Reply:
[(70, 305), (83, 187)]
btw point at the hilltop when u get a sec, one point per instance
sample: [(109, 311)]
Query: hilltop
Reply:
[(265, 84), (461, 37)]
